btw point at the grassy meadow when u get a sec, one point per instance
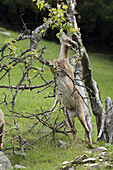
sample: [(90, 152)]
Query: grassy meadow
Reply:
[(45, 154)]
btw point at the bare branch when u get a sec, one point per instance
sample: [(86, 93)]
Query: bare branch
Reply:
[(27, 87)]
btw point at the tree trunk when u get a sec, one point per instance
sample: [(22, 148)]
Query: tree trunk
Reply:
[(92, 87), (108, 131), (94, 95), (79, 74), (86, 102)]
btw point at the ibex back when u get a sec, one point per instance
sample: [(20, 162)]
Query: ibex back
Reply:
[(69, 93)]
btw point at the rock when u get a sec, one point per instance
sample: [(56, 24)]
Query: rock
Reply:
[(89, 160), (89, 152), (95, 165), (79, 159), (19, 167), (108, 165), (62, 144), (72, 168), (91, 166), (103, 153), (102, 149), (100, 156), (4, 162), (65, 163), (101, 160)]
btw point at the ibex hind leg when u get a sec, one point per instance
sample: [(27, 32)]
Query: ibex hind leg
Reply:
[(82, 120), (70, 125), (74, 133)]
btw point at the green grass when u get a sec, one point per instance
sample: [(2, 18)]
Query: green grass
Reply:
[(102, 66), (45, 154)]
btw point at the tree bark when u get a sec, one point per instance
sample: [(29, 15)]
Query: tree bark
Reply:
[(86, 102), (79, 72), (94, 95), (92, 87), (108, 131), (37, 35)]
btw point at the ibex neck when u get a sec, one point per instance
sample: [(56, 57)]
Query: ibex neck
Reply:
[(64, 51)]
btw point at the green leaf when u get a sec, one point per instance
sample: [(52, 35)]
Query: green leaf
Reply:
[(41, 6)]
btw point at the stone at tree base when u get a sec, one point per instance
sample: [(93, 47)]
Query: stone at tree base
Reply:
[(5, 164)]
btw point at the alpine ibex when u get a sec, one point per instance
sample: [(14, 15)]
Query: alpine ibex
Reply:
[(68, 92)]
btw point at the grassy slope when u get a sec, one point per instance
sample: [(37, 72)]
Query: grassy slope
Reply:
[(43, 155), (102, 66)]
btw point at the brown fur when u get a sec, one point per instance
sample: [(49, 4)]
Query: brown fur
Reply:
[(70, 99), (2, 127)]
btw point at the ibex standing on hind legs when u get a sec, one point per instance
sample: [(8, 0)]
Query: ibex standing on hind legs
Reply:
[(2, 128), (69, 93)]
